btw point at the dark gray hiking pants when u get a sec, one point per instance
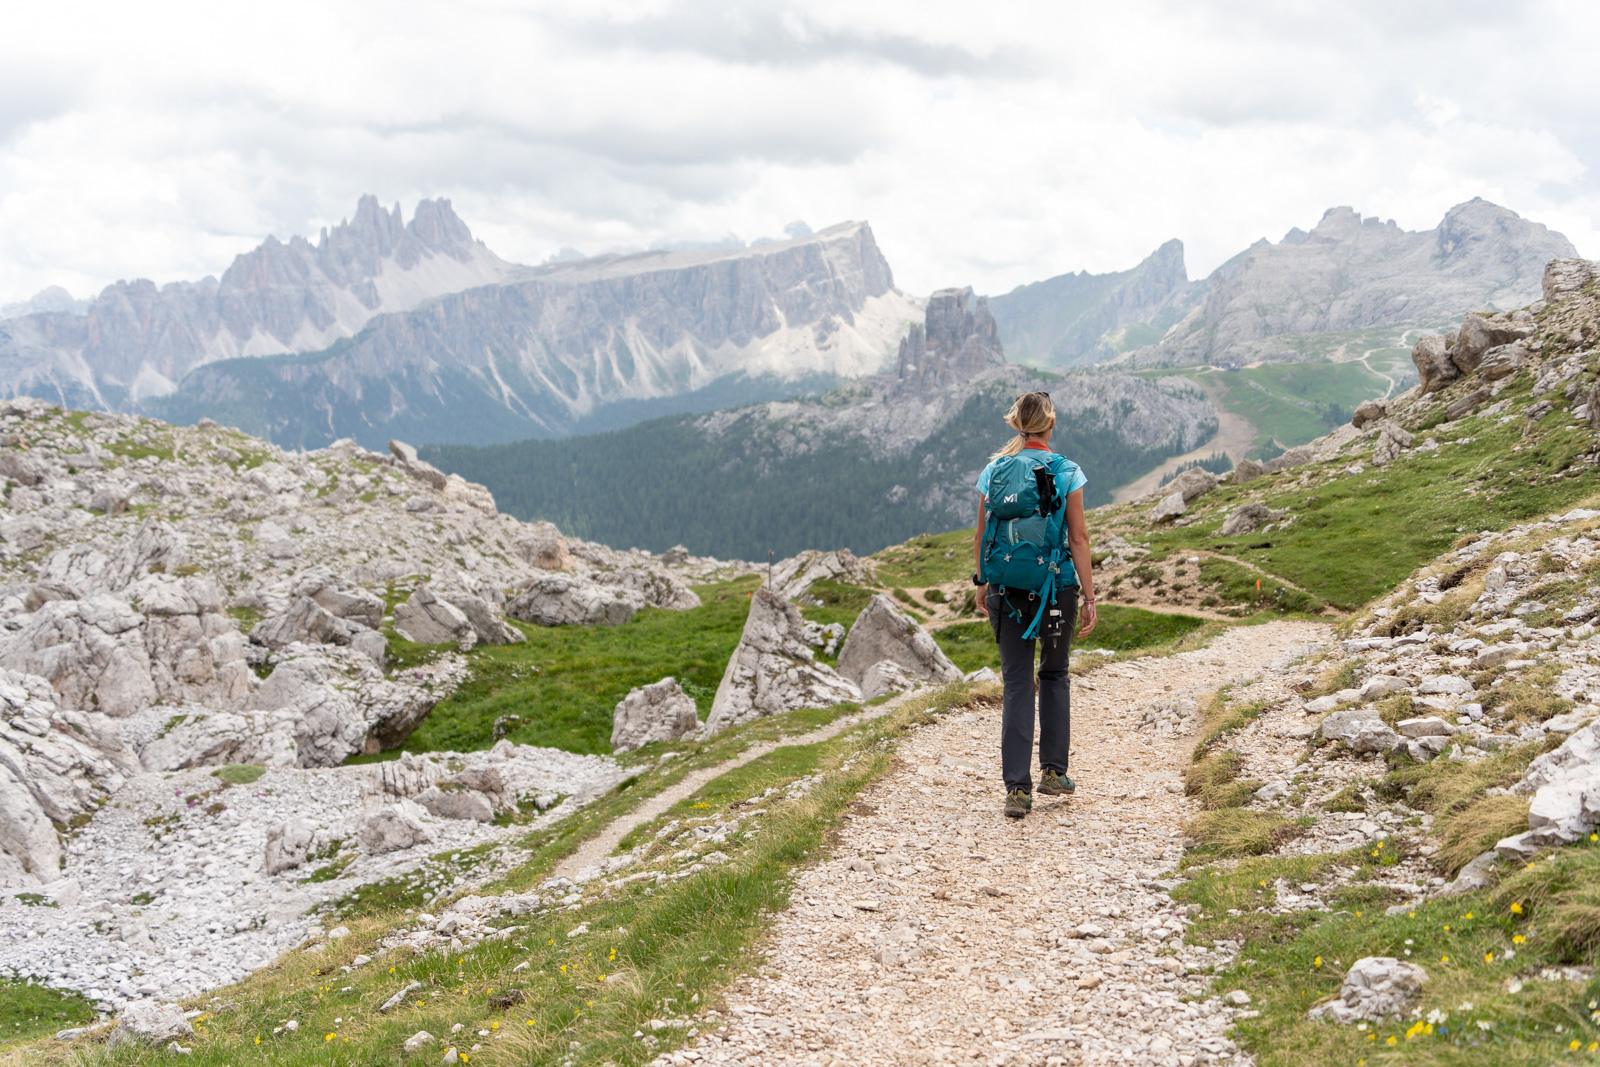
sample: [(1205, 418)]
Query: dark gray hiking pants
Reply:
[(1016, 670)]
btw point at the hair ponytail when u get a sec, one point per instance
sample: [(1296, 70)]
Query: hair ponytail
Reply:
[(1031, 414)]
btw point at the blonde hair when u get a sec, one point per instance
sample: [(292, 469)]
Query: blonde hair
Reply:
[(1032, 413)]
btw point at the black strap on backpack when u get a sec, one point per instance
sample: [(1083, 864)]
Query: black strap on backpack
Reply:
[(1047, 489)]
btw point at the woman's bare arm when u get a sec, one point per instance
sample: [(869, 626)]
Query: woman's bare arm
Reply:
[(1078, 541)]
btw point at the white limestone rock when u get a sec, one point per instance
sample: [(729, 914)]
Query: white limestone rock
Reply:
[(1168, 508), (399, 825), (1375, 988), (883, 632), (661, 711), (288, 844), (883, 677), (791, 578), (773, 669), (562, 600), (1248, 518), (148, 1023), (427, 619)]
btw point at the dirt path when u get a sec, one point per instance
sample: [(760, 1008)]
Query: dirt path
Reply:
[(941, 932), (596, 848), (1235, 434)]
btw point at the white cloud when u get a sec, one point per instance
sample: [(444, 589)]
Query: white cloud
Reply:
[(987, 146)]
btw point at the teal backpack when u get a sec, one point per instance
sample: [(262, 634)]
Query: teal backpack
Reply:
[(1025, 534)]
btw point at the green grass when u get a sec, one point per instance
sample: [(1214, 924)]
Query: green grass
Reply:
[(841, 603), (1293, 403), (1289, 963), (30, 1011), (931, 559), (1358, 536), (565, 681), (239, 773)]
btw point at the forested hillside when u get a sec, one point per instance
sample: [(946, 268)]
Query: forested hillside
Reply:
[(753, 491)]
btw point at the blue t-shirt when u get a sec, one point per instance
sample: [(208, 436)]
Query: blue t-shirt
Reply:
[(1058, 464)]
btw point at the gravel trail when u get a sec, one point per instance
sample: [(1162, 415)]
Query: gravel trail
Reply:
[(940, 932)]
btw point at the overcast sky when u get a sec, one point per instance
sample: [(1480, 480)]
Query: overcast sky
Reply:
[(988, 144)]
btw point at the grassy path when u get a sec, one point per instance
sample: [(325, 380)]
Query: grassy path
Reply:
[(605, 842)]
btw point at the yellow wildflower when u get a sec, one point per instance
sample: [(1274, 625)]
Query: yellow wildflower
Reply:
[(1516, 909), (1392, 1040), (1488, 957), (1317, 962), (330, 1037)]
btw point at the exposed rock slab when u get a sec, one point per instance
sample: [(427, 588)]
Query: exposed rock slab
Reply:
[(773, 669), (883, 632)]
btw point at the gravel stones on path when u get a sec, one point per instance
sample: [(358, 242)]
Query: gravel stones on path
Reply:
[(939, 931)]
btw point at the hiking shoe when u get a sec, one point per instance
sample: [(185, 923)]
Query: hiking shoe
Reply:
[(1018, 804), (1056, 783)]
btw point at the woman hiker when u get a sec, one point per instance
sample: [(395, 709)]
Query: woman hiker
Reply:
[(1028, 587)]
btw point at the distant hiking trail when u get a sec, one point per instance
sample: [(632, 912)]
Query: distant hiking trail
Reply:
[(938, 931), (1235, 435)]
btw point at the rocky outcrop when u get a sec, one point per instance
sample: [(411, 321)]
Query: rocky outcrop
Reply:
[(773, 669), (661, 711), (56, 767), (1248, 518), (795, 575), (147, 1023), (1368, 411), (883, 632), (955, 343), (1169, 507), (564, 601), (425, 619)]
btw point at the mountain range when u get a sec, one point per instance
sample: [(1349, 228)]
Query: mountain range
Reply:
[(868, 464), (1299, 298)]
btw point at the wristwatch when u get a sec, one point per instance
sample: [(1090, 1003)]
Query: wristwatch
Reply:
[(976, 580)]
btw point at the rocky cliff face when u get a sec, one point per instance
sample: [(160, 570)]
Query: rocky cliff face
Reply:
[(1074, 319), (1351, 273), (136, 340), (575, 344)]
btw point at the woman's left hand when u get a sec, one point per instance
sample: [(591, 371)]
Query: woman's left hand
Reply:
[(1086, 619)]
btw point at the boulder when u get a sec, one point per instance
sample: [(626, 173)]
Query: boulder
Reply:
[(1375, 988), (1446, 685), (793, 576), (1391, 439), (1422, 749), (1168, 508), (562, 600), (307, 622), (1361, 729), (661, 711), (826, 637), (1502, 361), (1248, 518), (110, 499), (1477, 874), (288, 844), (1382, 685), (883, 632), (489, 627), (1368, 411), (773, 668), (1480, 334), (544, 547), (1434, 365), (651, 585), (1468, 403), (1578, 756), (145, 1022), (885, 676), (426, 473), (1429, 726), (427, 619), (399, 825), (451, 801), (1245, 470), (344, 601), (1192, 483)]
